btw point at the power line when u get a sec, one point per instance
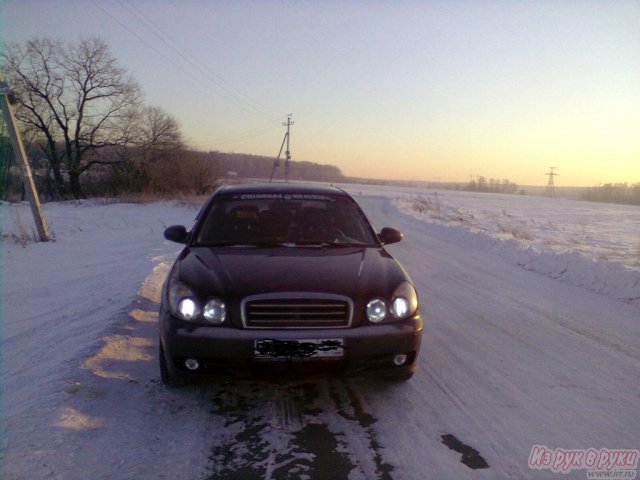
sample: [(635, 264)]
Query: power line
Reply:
[(230, 94), (251, 133), (186, 56), (124, 26)]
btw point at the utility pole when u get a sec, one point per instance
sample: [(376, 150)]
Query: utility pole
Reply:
[(288, 153), (551, 189), (276, 162), (23, 162)]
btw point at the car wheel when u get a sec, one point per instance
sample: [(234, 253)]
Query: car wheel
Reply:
[(168, 377)]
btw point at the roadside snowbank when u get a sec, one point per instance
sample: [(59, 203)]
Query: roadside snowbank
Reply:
[(552, 247), (78, 345)]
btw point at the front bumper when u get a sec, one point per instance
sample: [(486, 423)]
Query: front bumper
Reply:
[(368, 349)]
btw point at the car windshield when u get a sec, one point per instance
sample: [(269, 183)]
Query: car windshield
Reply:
[(312, 220)]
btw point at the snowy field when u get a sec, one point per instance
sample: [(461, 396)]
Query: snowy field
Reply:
[(592, 245), (532, 337)]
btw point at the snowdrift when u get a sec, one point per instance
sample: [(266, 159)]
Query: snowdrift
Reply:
[(522, 245)]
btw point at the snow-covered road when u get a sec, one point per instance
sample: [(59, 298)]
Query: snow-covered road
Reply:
[(511, 359)]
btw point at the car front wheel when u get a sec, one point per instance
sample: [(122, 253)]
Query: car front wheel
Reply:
[(169, 378)]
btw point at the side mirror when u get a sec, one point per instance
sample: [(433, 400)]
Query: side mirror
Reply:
[(390, 235), (176, 233)]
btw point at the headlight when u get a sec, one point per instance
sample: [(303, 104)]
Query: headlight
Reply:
[(188, 308), (185, 305), (376, 310), (215, 311), (399, 307), (404, 302), (182, 301)]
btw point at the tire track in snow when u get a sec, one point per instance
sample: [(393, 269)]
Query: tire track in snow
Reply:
[(365, 420), (292, 430)]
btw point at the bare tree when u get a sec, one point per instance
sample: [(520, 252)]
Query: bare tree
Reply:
[(75, 100), (154, 137), (157, 133)]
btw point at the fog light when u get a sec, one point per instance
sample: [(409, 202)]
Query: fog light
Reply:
[(192, 364), (400, 359)]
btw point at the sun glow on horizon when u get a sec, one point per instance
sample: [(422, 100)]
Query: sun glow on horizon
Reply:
[(401, 90)]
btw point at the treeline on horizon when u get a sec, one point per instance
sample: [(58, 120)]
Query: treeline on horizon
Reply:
[(191, 171), (261, 167), (184, 171), (622, 193), (481, 184)]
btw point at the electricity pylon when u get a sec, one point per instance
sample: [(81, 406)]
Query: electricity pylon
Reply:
[(551, 189), (276, 162)]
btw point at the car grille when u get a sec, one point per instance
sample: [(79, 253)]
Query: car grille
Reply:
[(297, 310)]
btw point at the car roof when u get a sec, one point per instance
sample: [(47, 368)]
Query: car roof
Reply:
[(281, 187)]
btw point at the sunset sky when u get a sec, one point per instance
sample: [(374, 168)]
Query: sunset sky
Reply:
[(428, 90)]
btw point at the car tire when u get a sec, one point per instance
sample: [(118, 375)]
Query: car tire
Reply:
[(169, 378)]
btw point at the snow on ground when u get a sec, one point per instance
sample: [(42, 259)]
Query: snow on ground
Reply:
[(510, 358), (591, 245), (72, 313)]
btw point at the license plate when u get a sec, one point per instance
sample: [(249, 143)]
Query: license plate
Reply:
[(299, 349)]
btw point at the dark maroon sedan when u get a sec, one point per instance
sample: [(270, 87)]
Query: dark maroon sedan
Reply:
[(284, 278)]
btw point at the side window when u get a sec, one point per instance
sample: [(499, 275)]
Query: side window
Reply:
[(351, 223)]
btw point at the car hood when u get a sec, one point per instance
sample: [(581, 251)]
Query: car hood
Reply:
[(239, 272)]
